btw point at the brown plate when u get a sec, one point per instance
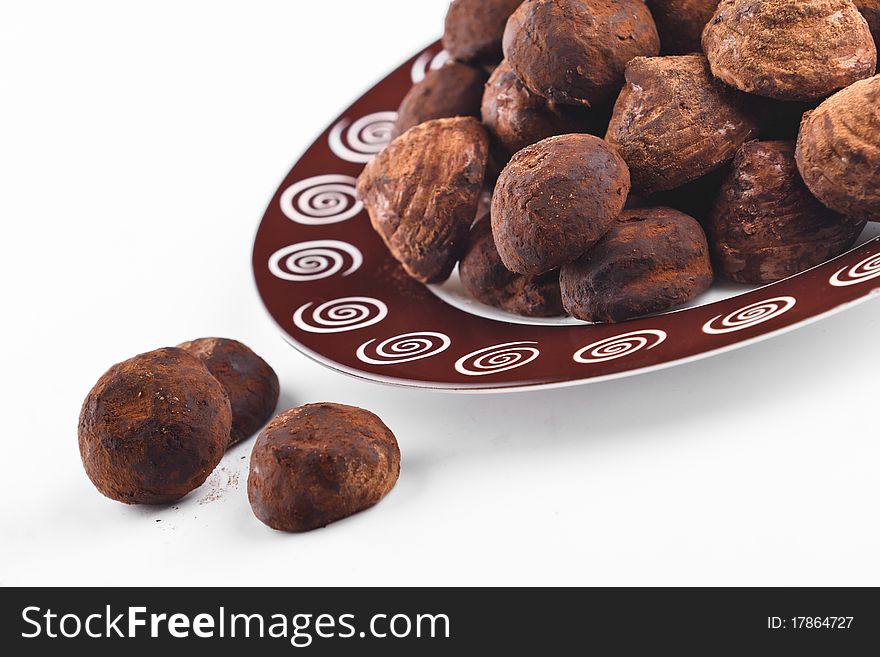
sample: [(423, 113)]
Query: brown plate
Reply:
[(339, 297)]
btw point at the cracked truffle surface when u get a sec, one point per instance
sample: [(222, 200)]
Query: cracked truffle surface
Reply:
[(154, 427), (320, 463), (554, 200)]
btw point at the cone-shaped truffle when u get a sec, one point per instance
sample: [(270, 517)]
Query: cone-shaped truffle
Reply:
[(673, 123), (422, 193)]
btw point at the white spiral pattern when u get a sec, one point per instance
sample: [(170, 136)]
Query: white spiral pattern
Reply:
[(339, 315), (403, 348), (321, 200), (311, 261), (363, 139), (868, 269), (425, 62), (619, 346), (497, 358), (751, 315)]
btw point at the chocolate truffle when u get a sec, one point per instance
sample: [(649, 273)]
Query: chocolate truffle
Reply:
[(673, 123), (681, 23), (838, 151), (489, 281), (474, 29), (320, 463), (249, 382), (451, 90), (651, 260), (575, 51), (789, 49), (154, 427), (422, 193), (516, 118), (554, 200), (766, 225)]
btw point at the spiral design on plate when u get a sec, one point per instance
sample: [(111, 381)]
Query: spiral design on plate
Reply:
[(497, 358), (425, 62), (363, 139), (866, 270), (619, 346), (321, 200), (403, 348), (339, 315), (751, 315), (310, 261)]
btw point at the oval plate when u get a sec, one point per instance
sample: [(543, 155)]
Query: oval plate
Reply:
[(329, 283)]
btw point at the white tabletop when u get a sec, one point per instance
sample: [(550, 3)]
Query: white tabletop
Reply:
[(139, 145)]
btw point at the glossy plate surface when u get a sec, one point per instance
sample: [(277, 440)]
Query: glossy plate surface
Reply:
[(329, 283)]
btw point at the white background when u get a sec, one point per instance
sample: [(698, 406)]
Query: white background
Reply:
[(139, 145)]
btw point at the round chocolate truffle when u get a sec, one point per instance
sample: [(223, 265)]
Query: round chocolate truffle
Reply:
[(516, 118), (451, 90), (838, 151), (487, 279), (651, 260), (681, 23), (320, 463), (554, 200), (249, 382), (673, 122), (789, 49), (766, 225), (575, 51), (422, 193), (154, 427), (474, 29)]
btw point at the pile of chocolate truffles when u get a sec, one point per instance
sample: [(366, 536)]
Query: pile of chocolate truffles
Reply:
[(633, 150), (155, 426)]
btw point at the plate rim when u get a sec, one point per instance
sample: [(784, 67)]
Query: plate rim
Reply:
[(486, 386), (503, 388)]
